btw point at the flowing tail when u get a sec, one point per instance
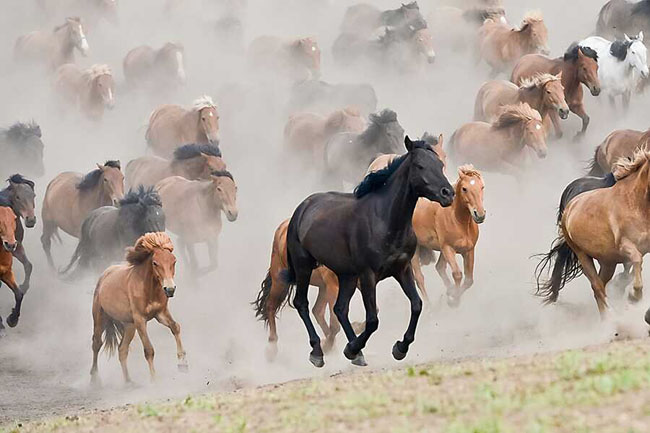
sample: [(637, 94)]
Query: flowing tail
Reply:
[(74, 259), (114, 332), (595, 168), (566, 268), (265, 294)]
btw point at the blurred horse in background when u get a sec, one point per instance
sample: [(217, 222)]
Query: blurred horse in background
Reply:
[(620, 17), (151, 69), (91, 90), (21, 148), (621, 143), (323, 98), (293, 60), (363, 19)]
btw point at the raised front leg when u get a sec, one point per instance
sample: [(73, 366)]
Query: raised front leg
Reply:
[(21, 256), (369, 294), (166, 319), (9, 279), (407, 282), (141, 326), (454, 292)]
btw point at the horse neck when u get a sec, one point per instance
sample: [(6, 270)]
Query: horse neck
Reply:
[(207, 203), (534, 98), (569, 70), (63, 43), (94, 198), (460, 211), (188, 168), (398, 200)]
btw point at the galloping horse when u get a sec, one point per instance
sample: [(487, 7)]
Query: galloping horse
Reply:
[(71, 196), (20, 197), (543, 92), (608, 225), (502, 145), (171, 126), (55, 48), (161, 68), (578, 65), (9, 244), (620, 17), (363, 19), (22, 150), (191, 161), (621, 143), (365, 237), (129, 295), (193, 211), (91, 90), (501, 46), (296, 59)]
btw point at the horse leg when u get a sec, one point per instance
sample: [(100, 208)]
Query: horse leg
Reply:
[(191, 256), (555, 119), (141, 326), (213, 248), (606, 272), (99, 320), (419, 276), (597, 285), (623, 279), (636, 258), (332, 292), (347, 286), (579, 109), (441, 267), (166, 319), (301, 303), (49, 228), (27, 266), (9, 279), (468, 265), (627, 95), (406, 281), (453, 293), (123, 350), (318, 310)]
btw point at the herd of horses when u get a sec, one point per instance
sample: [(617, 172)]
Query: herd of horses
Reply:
[(403, 210)]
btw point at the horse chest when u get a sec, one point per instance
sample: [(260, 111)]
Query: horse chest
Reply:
[(152, 309)]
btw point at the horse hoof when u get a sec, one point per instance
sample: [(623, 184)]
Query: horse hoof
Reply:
[(12, 321), (348, 353), (317, 360), (3, 332), (359, 360), (398, 354), (183, 368)]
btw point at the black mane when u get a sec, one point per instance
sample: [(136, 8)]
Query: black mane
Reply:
[(143, 196), (619, 49), (19, 178), (222, 173), (571, 54), (429, 139), (193, 150), (90, 180), (641, 8), (20, 131)]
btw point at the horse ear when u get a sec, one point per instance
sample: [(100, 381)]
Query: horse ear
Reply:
[(559, 75), (408, 143), (627, 38), (525, 26), (101, 167), (441, 140), (640, 37)]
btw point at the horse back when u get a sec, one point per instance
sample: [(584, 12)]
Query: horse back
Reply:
[(530, 65)]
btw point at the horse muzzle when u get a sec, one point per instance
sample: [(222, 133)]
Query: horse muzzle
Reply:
[(9, 246), (564, 113), (431, 57), (541, 153), (446, 196), (595, 90), (30, 222), (477, 217), (232, 215), (169, 291)]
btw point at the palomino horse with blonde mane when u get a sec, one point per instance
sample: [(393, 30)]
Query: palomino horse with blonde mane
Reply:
[(91, 90), (161, 68), (501, 46), (71, 196), (193, 211), (621, 143), (502, 145), (191, 161), (171, 126), (451, 230), (579, 65), (129, 295), (297, 59), (609, 225), (543, 92), (9, 245), (53, 48)]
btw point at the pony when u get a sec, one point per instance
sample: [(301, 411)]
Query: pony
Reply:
[(91, 90), (502, 145), (21, 148), (619, 17), (54, 48), (191, 161), (296, 59), (129, 295), (621, 65), (193, 212), (71, 196), (108, 230), (363, 18), (171, 126), (364, 238), (155, 68), (543, 92), (323, 98), (578, 65), (621, 143), (9, 245)]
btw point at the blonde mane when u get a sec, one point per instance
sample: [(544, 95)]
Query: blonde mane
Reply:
[(537, 80), (626, 166), (514, 114), (146, 245), (202, 102), (469, 170), (97, 70), (533, 17)]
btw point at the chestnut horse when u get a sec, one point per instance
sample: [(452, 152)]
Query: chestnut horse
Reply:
[(578, 65), (502, 145), (501, 46), (171, 126), (193, 211), (543, 92), (9, 244), (621, 143), (609, 225), (191, 161), (91, 90), (452, 230), (71, 196), (54, 48), (129, 295), (144, 66), (297, 59)]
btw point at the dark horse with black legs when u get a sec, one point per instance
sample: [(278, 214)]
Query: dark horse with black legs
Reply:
[(19, 196), (367, 237)]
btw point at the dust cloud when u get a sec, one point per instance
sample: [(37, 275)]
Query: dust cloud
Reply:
[(44, 362)]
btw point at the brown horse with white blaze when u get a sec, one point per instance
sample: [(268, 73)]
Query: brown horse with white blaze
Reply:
[(9, 245), (91, 90), (129, 295)]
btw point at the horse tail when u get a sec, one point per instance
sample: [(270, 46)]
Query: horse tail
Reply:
[(594, 168), (266, 294), (114, 332), (566, 268), (74, 259)]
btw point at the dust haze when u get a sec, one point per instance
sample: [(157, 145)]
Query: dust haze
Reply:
[(45, 361)]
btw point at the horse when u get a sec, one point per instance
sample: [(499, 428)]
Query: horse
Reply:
[(618, 17), (162, 68), (55, 48), (71, 196), (608, 225), (193, 211), (171, 126), (108, 230), (621, 143), (9, 245), (323, 98), (621, 65), (363, 19), (502, 145), (451, 230), (129, 295), (501, 46), (296, 59), (191, 161), (347, 154), (306, 133), (91, 90), (21, 148), (543, 92), (364, 238), (436, 143), (578, 65), (20, 197)]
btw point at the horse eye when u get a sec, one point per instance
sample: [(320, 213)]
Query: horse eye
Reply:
[(155, 263), (464, 189)]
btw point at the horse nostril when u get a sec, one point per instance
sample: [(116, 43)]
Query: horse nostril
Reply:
[(445, 192)]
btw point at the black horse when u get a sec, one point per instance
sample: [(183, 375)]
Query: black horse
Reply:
[(108, 230), (22, 150), (19, 196), (367, 237)]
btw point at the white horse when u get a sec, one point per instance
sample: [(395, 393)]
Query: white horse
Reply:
[(621, 65)]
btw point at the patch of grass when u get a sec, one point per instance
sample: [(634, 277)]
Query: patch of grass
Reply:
[(487, 425)]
